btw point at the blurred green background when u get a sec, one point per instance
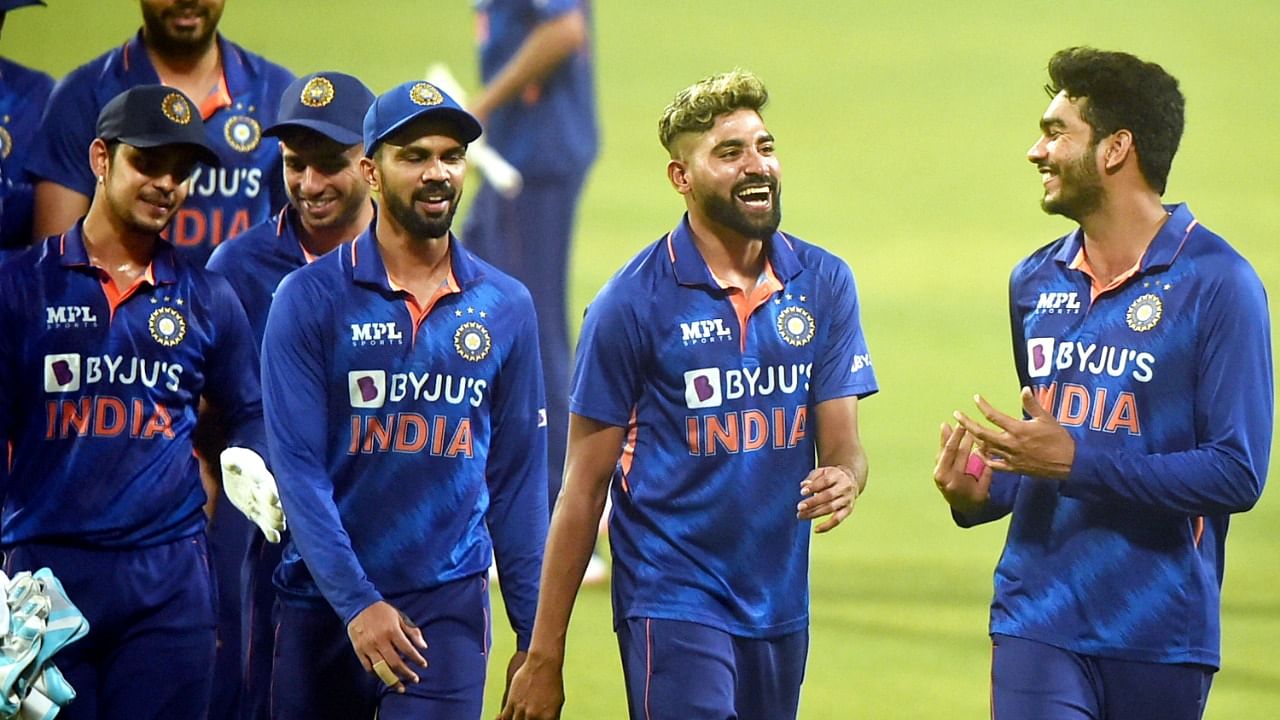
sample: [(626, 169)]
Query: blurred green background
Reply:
[(902, 128)]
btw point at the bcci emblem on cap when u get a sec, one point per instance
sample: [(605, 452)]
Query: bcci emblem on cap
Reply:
[(317, 93), (243, 133), (176, 108), (472, 341), (425, 93), (167, 326), (795, 326)]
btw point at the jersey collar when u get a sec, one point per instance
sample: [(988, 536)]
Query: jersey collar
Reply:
[(690, 269), (367, 267), (238, 70), (1162, 251), (73, 254)]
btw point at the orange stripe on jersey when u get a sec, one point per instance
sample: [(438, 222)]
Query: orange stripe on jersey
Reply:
[(419, 311), (1081, 263), (744, 305), (1199, 529), (216, 100), (115, 296), (671, 248), (628, 457)]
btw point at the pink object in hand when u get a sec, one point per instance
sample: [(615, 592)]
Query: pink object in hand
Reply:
[(974, 467)]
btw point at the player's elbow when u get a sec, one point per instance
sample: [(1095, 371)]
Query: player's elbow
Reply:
[(571, 31)]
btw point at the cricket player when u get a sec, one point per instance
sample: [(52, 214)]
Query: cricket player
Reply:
[(236, 92), (712, 370), (318, 130), (23, 94), (536, 62), (108, 337), (405, 415), (1142, 344)]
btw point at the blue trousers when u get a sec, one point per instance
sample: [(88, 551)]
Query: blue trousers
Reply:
[(529, 237), (151, 618), (1034, 681), (684, 671)]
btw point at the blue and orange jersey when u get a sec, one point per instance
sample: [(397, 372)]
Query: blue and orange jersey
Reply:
[(98, 393), (255, 262), (557, 112), (408, 435), (1164, 380), (223, 202), (23, 94), (717, 392)]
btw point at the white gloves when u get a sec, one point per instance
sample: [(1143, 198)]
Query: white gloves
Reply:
[(251, 488)]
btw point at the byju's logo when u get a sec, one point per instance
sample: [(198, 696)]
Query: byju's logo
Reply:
[(69, 316), (62, 373), (704, 331), (1058, 303), (368, 388), (1039, 357), (702, 388), (375, 333)]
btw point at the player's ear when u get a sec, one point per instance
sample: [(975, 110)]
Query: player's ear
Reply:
[(1117, 148), (99, 157), (678, 174), (369, 171)]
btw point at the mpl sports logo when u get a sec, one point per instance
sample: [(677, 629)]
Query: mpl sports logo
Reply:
[(700, 332), (1058, 303), (60, 317), (376, 333)]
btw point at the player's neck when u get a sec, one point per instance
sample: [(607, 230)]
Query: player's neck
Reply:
[(319, 241), (415, 264), (195, 73), (733, 258), (124, 253), (1118, 233)]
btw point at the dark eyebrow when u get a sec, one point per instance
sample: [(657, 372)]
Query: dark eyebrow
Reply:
[(1054, 123), (727, 144)]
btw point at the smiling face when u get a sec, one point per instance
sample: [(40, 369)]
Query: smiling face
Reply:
[(323, 180), (1066, 156), (143, 187), (730, 175), (418, 173)]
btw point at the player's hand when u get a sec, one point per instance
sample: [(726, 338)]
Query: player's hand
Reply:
[(384, 638), (1039, 446), (961, 475), (251, 487), (827, 491), (536, 691), (513, 665)]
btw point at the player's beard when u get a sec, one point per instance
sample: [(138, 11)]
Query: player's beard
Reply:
[(415, 224), (180, 43), (1080, 190), (724, 209)]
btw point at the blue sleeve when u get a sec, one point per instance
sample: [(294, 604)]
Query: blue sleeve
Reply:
[(843, 367), (231, 372), (60, 150), (608, 370), (516, 472), (551, 9), (294, 384), (1233, 409)]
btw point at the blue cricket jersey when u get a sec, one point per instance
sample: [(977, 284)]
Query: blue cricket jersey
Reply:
[(550, 128), (717, 393), (99, 389), (223, 202), (255, 262), (1165, 383), (407, 449), (23, 94)]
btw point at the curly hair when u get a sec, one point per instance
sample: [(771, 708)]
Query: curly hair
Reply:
[(696, 107), (1124, 93)]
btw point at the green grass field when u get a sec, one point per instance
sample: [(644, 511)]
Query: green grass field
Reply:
[(902, 128)]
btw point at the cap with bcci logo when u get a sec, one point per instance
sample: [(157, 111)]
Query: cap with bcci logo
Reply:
[(149, 116), (330, 103), (409, 101)]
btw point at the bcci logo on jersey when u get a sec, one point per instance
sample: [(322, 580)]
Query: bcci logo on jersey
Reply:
[(69, 316), (1057, 303), (376, 333), (62, 373), (704, 331)]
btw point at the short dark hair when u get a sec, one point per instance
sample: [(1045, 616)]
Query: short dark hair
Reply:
[(1124, 93)]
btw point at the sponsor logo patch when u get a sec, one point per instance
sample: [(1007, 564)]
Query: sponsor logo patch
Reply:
[(368, 388), (62, 373)]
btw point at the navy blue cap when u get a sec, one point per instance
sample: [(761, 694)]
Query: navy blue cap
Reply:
[(7, 5), (409, 101), (331, 103), (152, 116)]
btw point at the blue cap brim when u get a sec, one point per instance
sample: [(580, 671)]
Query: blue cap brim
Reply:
[(336, 133), (468, 127), (205, 153)]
